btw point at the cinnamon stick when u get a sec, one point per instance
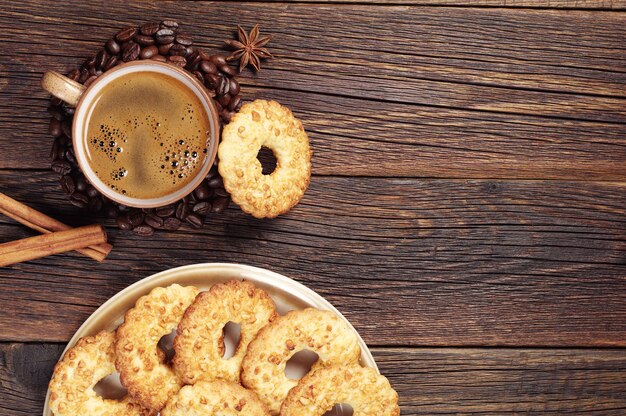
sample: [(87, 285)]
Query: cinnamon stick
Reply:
[(52, 243), (45, 224)]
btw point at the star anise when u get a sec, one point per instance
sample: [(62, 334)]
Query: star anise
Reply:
[(249, 49)]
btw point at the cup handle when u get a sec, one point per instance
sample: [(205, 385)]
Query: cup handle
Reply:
[(62, 87)]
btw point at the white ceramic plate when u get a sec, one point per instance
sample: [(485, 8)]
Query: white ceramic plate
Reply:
[(287, 293)]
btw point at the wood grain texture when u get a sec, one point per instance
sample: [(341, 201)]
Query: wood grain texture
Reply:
[(372, 100), (410, 262), (542, 4), (428, 381), (349, 138)]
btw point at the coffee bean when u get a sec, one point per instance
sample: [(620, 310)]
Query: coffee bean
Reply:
[(223, 86), (172, 24), (177, 60), (126, 34), (101, 58), (184, 39), (69, 111), (208, 67), (194, 220), (84, 74), (110, 211), (215, 182), (224, 100), (79, 199), (66, 125), (193, 60), (159, 58), (150, 28), (143, 230), (123, 208), (144, 40), (218, 106), (93, 71), (202, 191), (154, 221), (202, 208), (234, 102), (218, 59), (89, 63), (234, 87), (165, 49), (136, 218), (55, 128), (226, 116), (198, 75), (61, 167), (74, 74), (221, 192), (179, 50), (220, 204), (56, 150), (228, 70), (113, 47), (81, 183), (56, 112), (111, 62), (182, 210), (131, 52), (148, 52), (92, 192), (69, 155), (123, 222), (171, 224), (90, 80), (190, 50), (67, 183), (166, 211), (211, 80), (212, 172), (164, 36), (95, 204)]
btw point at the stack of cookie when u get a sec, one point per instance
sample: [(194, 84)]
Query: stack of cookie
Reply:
[(199, 380)]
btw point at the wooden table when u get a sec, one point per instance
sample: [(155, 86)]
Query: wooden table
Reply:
[(467, 210)]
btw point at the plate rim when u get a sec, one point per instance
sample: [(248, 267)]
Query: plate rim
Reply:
[(292, 286)]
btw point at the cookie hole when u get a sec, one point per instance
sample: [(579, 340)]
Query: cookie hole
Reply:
[(340, 409), (300, 364), (232, 335), (110, 387), (267, 159), (166, 344)]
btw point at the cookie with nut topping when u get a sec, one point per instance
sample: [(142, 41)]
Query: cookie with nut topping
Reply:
[(322, 332), (218, 397), (366, 391), (82, 366), (265, 124)]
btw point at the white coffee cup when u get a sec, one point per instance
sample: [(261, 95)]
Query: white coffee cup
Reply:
[(77, 95)]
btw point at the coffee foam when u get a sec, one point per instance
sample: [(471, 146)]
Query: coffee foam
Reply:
[(147, 135)]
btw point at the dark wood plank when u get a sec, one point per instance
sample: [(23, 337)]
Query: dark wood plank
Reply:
[(428, 381), (410, 262), (542, 4), (500, 60), (349, 138)]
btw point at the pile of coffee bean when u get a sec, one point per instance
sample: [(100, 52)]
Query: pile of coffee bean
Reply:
[(161, 41)]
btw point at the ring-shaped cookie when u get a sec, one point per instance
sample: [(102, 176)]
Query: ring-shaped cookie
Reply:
[(217, 397), (81, 368), (366, 391), (265, 124), (199, 343), (322, 332), (149, 380)]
